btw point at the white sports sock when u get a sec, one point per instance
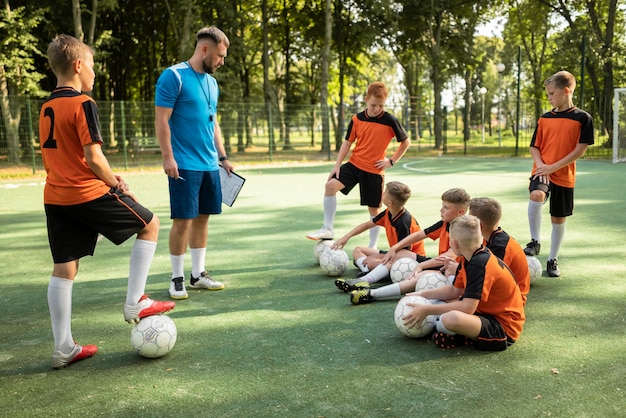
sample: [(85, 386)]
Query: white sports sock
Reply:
[(386, 291), (558, 233), (140, 260), (380, 272), (198, 256), (441, 328), (60, 306), (359, 263), (374, 234), (330, 208), (534, 219), (178, 265)]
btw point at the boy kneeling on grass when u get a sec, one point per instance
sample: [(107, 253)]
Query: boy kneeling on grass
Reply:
[(484, 305)]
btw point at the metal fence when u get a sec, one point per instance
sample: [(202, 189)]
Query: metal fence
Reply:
[(130, 140)]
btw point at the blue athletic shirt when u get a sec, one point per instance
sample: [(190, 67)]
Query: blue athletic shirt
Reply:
[(193, 98)]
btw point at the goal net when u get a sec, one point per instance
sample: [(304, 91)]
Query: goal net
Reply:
[(619, 126)]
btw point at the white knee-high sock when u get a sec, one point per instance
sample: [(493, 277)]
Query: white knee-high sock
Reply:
[(374, 234), (140, 260), (380, 272), (386, 291), (60, 306), (198, 258), (330, 208), (558, 233), (534, 219), (359, 263), (178, 265)]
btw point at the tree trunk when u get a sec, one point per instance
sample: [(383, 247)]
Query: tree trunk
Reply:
[(11, 115), (325, 76), (78, 21)]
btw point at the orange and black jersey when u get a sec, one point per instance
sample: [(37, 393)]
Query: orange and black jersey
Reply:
[(372, 136), (67, 122), (441, 231), (399, 227), (556, 135), (486, 278), (507, 249)]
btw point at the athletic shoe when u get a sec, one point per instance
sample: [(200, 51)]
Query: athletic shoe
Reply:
[(177, 288), (348, 285), (443, 340), (532, 248), (553, 268), (145, 307), (78, 353), (359, 297), (321, 234), (205, 282)]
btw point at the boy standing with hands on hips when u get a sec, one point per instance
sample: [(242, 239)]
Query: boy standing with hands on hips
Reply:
[(561, 137)]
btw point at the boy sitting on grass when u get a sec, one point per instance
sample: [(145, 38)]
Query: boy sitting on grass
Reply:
[(454, 203), (501, 244), (398, 224), (485, 307)]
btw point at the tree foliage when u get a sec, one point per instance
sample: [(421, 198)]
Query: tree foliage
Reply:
[(290, 53)]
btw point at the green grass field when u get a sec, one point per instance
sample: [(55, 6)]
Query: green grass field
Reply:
[(281, 340)]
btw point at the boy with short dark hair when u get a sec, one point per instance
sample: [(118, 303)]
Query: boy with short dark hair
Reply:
[(398, 224), (372, 130), (485, 307), (84, 198), (561, 137)]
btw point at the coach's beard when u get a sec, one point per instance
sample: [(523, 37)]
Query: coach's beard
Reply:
[(207, 69)]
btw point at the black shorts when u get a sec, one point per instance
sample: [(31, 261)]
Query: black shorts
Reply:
[(492, 336), (561, 198), (73, 230), (370, 184)]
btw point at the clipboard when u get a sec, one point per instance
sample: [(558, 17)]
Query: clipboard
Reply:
[(231, 186)]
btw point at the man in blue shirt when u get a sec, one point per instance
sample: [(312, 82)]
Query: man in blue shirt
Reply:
[(192, 149)]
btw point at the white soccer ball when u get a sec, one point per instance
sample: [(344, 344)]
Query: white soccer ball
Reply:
[(334, 262), (321, 246), (534, 268), (402, 269), (431, 279), (154, 336), (424, 328)]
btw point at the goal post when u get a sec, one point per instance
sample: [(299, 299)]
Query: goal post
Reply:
[(619, 126)]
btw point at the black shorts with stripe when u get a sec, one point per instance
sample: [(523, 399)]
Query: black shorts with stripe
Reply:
[(492, 336), (370, 184), (73, 230)]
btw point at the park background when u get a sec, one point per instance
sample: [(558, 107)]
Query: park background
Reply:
[(465, 77)]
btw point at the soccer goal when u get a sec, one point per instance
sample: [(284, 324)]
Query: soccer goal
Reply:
[(619, 126)]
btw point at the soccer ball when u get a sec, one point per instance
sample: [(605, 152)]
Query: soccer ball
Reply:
[(322, 246), (154, 336), (334, 262), (402, 269), (424, 328), (431, 279), (534, 267)]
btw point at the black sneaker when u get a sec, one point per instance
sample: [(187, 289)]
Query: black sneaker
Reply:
[(351, 284), (532, 248), (359, 297), (553, 268)]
